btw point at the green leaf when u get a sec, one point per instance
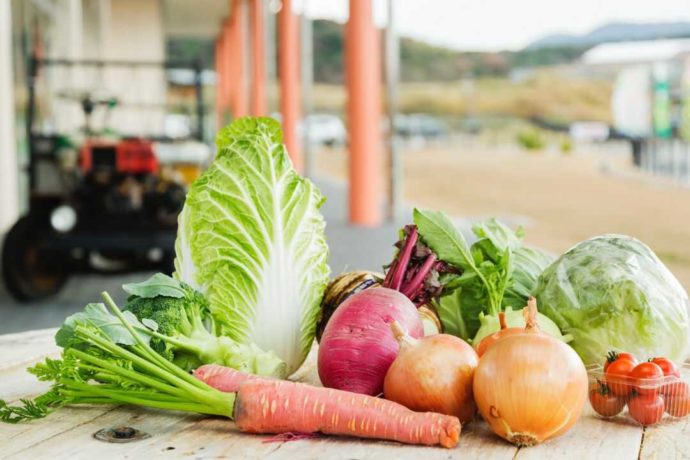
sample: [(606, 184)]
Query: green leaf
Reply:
[(158, 284), (499, 235), (251, 238), (98, 316), (440, 234), (151, 324)]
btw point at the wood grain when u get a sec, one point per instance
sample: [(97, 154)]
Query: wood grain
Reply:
[(591, 438), (68, 432)]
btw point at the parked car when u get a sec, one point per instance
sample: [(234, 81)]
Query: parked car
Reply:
[(325, 129), (422, 125)]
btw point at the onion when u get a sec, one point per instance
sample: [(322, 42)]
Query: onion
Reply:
[(432, 374), (530, 387), (357, 346), (432, 325), (530, 315)]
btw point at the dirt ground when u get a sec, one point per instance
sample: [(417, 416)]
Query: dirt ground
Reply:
[(562, 199)]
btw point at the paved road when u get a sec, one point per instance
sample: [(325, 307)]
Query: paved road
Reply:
[(351, 248)]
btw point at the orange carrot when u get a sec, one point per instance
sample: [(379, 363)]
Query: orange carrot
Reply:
[(277, 406), (223, 378)]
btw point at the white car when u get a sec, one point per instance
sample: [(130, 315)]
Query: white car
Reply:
[(325, 129)]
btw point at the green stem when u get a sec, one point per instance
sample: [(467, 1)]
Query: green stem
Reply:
[(176, 385), (132, 375), (177, 342), (69, 391), (139, 361), (145, 349), (220, 407)]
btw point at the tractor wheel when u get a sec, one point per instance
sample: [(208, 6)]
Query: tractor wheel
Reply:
[(28, 276)]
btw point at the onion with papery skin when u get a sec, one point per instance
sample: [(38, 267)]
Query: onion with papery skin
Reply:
[(357, 346), (530, 387), (432, 325), (432, 374)]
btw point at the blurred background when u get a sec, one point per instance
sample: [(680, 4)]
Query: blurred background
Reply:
[(571, 119)]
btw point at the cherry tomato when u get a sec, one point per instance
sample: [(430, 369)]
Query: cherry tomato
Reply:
[(647, 377), (616, 355), (667, 366), (678, 406), (618, 377), (604, 402), (675, 388), (646, 409)]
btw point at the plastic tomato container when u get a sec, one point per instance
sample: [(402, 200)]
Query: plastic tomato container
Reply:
[(644, 401)]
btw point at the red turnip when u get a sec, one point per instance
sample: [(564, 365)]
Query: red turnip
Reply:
[(358, 347)]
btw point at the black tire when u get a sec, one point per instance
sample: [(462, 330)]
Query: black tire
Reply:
[(28, 277)]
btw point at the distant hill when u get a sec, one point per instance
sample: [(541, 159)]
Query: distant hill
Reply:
[(614, 32), (421, 61)]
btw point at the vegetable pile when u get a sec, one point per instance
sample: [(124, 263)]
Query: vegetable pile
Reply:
[(448, 329)]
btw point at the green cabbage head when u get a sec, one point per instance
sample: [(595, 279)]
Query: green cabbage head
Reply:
[(612, 292)]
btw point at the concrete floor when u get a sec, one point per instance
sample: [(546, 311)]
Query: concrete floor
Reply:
[(351, 248)]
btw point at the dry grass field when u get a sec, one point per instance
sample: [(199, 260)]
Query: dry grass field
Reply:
[(548, 94), (562, 199)]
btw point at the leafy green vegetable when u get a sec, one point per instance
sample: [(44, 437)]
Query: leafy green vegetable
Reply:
[(528, 262), (178, 327), (499, 272), (486, 273), (612, 293), (114, 367), (99, 316), (251, 238), (158, 285)]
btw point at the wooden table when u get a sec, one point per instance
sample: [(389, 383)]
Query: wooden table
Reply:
[(68, 432)]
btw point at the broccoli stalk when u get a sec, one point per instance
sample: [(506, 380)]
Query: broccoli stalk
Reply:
[(181, 329)]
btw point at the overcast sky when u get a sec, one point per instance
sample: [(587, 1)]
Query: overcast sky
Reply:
[(507, 24)]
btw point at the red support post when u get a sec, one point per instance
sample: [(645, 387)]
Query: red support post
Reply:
[(258, 56), (363, 113), (238, 45), (288, 72)]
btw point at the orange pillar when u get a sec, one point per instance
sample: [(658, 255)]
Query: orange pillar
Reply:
[(288, 72), (258, 95), (363, 113), (238, 44)]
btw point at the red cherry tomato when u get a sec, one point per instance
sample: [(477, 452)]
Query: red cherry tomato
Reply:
[(667, 366), (604, 402), (616, 355), (678, 406), (648, 378), (618, 377), (646, 409), (675, 388)]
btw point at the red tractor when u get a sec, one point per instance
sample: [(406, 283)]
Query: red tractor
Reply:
[(103, 204)]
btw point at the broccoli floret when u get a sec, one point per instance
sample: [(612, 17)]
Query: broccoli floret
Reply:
[(181, 333), (184, 330)]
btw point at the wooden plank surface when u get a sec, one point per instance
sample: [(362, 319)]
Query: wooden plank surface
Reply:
[(68, 432)]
